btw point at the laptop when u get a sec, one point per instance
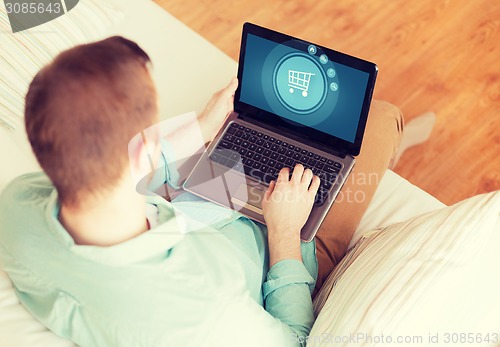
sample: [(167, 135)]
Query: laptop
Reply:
[(297, 102)]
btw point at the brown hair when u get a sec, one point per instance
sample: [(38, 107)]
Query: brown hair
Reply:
[(83, 109)]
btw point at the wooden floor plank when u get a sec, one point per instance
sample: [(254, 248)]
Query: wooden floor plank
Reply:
[(438, 55)]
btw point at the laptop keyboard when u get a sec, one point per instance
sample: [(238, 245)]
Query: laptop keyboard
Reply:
[(263, 156)]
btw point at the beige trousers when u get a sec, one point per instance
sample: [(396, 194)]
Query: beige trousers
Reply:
[(380, 144)]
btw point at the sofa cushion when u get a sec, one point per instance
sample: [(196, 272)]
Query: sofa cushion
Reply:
[(432, 277), (25, 52)]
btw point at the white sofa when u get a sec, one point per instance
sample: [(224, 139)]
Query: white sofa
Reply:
[(187, 70)]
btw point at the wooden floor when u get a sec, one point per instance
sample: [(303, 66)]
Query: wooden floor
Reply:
[(438, 55)]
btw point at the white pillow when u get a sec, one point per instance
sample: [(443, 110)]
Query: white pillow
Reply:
[(24, 53), (433, 280)]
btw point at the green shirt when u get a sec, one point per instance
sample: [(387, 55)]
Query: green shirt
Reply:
[(200, 281)]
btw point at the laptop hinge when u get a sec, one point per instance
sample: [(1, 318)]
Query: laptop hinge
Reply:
[(293, 135)]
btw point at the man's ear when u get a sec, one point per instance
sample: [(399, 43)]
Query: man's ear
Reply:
[(143, 156)]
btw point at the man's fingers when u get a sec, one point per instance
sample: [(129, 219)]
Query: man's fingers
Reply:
[(313, 189), (297, 173), (269, 190), (226, 93), (283, 175), (231, 87), (307, 177)]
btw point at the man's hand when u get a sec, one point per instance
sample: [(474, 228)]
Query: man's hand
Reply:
[(217, 109), (286, 206)]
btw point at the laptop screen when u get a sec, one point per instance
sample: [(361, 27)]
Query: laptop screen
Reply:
[(304, 87)]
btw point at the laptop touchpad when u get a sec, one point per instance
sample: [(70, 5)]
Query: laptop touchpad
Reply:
[(249, 197)]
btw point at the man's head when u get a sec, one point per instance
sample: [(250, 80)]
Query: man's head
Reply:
[(83, 109)]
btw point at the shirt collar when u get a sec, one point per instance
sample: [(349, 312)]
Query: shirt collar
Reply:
[(150, 244)]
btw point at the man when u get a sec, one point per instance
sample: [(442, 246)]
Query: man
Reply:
[(102, 265)]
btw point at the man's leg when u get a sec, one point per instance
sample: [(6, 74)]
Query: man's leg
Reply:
[(382, 136)]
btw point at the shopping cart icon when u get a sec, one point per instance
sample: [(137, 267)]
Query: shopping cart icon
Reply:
[(299, 80)]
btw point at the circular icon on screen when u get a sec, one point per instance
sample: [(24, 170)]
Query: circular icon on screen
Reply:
[(311, 49), (299, 83), (323, 59), (334, 86), (331, 73)]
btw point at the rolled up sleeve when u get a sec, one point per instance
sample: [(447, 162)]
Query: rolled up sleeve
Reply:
[(287, 296)]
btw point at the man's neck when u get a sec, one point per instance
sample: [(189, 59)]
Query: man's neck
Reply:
[(106, 220)]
